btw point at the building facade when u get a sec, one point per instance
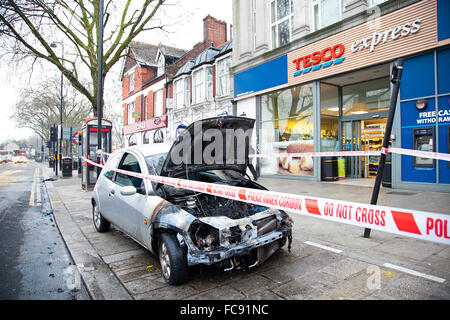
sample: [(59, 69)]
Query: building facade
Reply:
[(165, 88), (144, 92), (315, 74)]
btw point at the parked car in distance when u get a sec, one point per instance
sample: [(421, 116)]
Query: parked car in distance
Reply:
[(20, 159), (183, 227)]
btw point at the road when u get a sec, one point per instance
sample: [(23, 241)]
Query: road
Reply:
[(34, 261)]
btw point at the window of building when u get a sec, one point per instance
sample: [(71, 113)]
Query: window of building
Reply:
[(254, 23), (131, 82), (145, 138), (281, 21), (130, 113), (132, 140), (199, 85), (144, 109), (187, 90), (223, 76), (327, 12), (209, 83), (182, 89), (158, 100), (329, 118), (376, 2), (179, 93), (287, 125), (366, 97)]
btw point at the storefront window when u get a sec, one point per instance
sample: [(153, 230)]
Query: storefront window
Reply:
[(132, 140), (287, 127), (366, 97), (329, 118), (329, 99), (145, 138)]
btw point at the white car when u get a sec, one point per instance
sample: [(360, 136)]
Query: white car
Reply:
[(184, 227), (20, 159)]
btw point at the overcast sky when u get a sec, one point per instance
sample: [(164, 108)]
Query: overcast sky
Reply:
[(185, 33)]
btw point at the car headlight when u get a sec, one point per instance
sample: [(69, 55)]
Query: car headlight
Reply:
[(204, 236)]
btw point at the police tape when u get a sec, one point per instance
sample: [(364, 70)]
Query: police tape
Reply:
[(410, 152), (422, 154), (412, 223), (316, 154), (416, 153)]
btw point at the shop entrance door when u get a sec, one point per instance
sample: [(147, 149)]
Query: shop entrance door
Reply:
[(351, 141)]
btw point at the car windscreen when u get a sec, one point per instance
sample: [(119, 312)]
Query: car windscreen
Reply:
[(157, 161)]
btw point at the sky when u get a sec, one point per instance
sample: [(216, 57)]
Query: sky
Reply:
[(186, 29)]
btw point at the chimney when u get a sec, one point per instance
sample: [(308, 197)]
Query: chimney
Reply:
[(214, 31)]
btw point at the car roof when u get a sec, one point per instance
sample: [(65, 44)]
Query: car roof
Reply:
[(150, 149)]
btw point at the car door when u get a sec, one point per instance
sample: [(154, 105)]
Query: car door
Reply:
[(127, 208), (106, 187)]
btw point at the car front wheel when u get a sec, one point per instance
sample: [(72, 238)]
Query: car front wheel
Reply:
[(172, 259), (100, 223)]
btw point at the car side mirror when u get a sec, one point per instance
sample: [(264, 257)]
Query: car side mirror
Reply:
[(128, 190)]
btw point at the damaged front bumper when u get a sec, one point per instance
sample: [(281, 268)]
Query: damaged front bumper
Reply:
[(259, 239), (197, 256)]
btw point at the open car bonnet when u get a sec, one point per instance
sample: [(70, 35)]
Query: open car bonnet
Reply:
[(210, 144)]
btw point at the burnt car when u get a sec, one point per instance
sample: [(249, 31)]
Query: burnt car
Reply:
[(183, 227)]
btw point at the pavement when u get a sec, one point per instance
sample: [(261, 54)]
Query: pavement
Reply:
[(328, 260)]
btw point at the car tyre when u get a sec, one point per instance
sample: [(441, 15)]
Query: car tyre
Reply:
[(100, 223), (172, 259)]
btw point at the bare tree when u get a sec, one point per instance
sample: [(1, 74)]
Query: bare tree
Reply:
[(28, 29), (40, 106)]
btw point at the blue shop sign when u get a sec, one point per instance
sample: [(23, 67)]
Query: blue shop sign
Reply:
[(413, 117)]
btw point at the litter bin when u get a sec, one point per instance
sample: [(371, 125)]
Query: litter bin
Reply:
[(386, 181), (329, 169), (67, 167)]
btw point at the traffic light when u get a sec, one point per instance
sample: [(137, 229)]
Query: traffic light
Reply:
[(48, 144), (53, 133)]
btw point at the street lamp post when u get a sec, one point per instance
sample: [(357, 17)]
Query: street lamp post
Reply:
[(58, 157), (100, 85)]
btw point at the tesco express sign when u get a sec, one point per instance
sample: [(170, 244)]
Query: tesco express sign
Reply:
[(313, 61), (390, 34)]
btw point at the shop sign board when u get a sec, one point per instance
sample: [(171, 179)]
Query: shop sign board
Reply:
[(150, 124), (412, 117)]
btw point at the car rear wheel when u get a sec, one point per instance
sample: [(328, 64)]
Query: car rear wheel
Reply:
[(172, 259), (100, 223)]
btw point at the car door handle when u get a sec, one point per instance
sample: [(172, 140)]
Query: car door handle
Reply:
[(111, 193)]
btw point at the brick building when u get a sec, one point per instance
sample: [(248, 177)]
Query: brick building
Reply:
[(151, 110)]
